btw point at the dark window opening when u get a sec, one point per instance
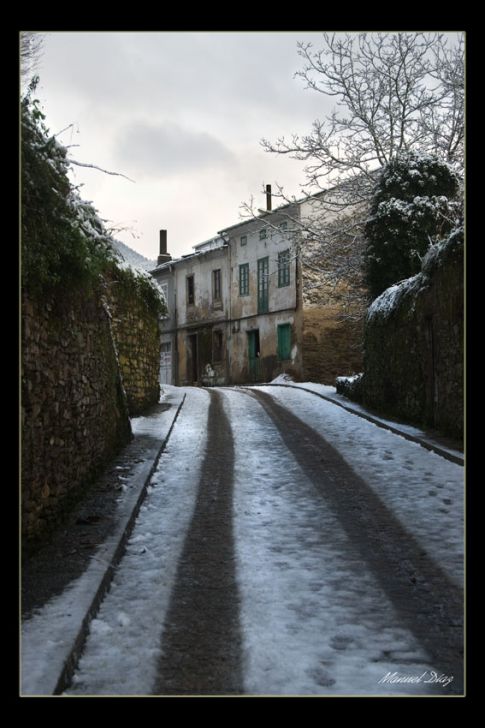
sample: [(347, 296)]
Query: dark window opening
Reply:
[(190, 291), (216, 285), (192, 358), (217, 346), (254, 356)]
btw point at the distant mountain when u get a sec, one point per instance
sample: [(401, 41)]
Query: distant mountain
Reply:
[(136, 260)]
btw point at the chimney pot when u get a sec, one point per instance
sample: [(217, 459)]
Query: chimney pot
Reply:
[(163, 257), (268, 198)]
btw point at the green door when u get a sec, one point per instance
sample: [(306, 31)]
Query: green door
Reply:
[(263, 285), (284, 342), (253, 356)]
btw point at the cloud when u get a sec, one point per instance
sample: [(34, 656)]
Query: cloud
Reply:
[(168, 149)]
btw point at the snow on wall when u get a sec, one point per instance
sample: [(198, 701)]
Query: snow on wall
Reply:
[(414, 343)]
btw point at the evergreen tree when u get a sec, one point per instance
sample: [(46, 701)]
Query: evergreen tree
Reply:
[(413, 207)]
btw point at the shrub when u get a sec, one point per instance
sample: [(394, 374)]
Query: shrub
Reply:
[(414, 206)]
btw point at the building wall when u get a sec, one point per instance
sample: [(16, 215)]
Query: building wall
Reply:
[(204, 308), (269, 366), (199, 323), (324, 343), (332, 344), (165, 278), (282, 302), (334, 300), (276, 242)]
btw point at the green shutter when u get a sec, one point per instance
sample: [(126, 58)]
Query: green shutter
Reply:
[(284, 268), (244, 279), (284, 341)]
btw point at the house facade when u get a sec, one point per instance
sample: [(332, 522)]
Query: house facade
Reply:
[(244, 307)]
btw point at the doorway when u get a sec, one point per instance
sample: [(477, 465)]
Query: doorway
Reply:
[(254, 356), (166, 363), (192, 359)]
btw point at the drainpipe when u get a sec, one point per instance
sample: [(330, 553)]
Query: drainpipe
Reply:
[(228, 323)]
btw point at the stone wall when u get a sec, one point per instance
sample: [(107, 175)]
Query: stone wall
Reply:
[(137, 338), (413, 364), (332, 344), (74, 413)]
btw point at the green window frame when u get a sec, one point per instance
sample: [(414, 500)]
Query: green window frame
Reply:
[(263, 285), (284, 268), (263, 234), (244, 239), (284, 342), (244, 279)]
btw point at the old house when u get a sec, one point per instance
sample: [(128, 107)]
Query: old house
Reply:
[(246, 306)]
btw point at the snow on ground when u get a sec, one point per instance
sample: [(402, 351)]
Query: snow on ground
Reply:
[(314, 619), (49, 634), (331, 393), (423, 490), (123, 647), (282, 379)]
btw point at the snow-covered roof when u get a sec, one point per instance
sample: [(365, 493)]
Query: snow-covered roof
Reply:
[(211, 244)]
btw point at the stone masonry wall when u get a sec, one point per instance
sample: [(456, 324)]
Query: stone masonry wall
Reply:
[(137, 337), (74, 414), (332, 346), (414, 347)]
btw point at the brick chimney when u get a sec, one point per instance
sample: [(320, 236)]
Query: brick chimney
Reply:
[(268, 198), (163, 257)]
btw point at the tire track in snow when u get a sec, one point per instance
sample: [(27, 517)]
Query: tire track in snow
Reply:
[(121, 653), (201, 642), (429, 604)]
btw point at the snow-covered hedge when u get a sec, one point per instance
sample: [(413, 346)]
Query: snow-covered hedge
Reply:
[(415, 204), (350, 387), (389, 301)]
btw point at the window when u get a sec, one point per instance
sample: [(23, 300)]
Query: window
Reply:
[(244, 239), (263, 285), (284, 268), (284, 341), (164, 287), (216, 285), (217, 346), (244, 279), (262, 234), (284, 225), (190, 291)]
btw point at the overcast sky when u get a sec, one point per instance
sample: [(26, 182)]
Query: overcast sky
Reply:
[(182, 114)]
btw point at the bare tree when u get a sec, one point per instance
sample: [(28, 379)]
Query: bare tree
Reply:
[(395, 92), (399, 92)]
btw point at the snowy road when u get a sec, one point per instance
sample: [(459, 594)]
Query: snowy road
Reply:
[(285, 550)]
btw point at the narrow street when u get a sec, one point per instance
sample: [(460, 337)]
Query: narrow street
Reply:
[(285, 547)]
